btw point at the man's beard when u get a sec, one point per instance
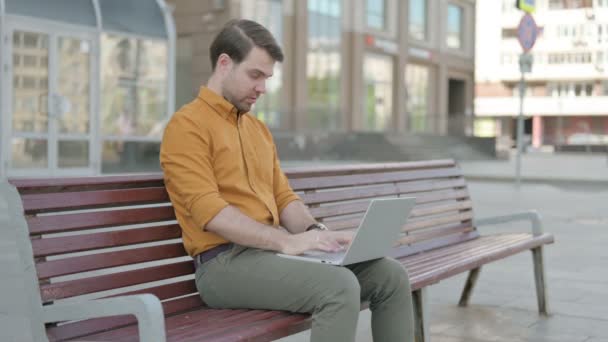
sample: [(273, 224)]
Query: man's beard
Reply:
[(241, 107)]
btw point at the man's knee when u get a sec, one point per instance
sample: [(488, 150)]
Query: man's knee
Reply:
[(393, 273), (343, 289)]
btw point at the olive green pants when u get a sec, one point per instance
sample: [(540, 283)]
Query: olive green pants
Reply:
[(257, 279)]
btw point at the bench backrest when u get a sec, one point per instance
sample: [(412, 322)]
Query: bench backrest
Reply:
[(340, 195), (106, 236)]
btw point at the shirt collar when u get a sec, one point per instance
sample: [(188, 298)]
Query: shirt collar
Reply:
[(221, 106)]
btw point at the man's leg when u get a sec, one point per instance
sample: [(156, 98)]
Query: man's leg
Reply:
[(256, 279), (385, 284)]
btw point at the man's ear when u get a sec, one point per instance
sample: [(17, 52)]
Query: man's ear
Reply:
[(224, 63)]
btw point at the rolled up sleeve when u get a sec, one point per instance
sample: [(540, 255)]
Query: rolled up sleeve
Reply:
[(186, 161)]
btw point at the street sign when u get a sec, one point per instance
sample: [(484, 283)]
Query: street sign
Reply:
[(528, 6), (527, 32)]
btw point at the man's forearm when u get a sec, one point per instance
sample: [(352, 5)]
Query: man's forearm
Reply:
[(231, 224), (295, 217)]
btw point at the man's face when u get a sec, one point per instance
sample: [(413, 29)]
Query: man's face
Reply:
[(245, 82)]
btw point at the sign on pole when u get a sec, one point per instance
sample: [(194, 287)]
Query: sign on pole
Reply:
[(527, 31), (528, 6)]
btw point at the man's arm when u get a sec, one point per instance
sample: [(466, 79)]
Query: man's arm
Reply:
[(295, 217), (234, 226)]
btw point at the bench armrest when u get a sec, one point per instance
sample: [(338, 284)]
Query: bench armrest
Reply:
[(532, 216), (146, 307)]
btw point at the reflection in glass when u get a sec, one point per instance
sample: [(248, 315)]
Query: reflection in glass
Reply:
[(134, 91), (454, 28), (30, 92), (73, 85), (270, 14), (323, 64), (376, 14), (378, 71), (73, 154), (130, 156), (29, 153), (417, 85), (417, 19)]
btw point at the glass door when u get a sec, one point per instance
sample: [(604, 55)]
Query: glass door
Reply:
[(50, 103)]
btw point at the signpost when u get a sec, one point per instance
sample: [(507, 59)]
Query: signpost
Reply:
[(527, 32)]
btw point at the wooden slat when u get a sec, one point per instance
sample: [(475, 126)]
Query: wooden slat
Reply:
[(66, 289), (459, 266), (85, 242), (425, 246), (367, 179), (435, 233), (48, 185), (380, 190), (167, 291), (412, 225), (360, 207), (435, 259), (350, 169), (441, 195), (424, 210), (221, 327), (97, 325), (90, 220), (78, 264), (426, 222), (37, 203), (270, 331)]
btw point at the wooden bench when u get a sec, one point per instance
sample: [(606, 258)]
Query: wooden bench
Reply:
[(84, 239)]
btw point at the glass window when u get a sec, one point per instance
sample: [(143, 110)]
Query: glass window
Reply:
[(454, 28), (376, 14), (378, 92), (323, 64), (133, 104), (30, 94), (417, 85), (134, 92), (417, 19), (270, 14)]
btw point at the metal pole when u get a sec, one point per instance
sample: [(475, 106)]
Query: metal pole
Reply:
[(520, 125)]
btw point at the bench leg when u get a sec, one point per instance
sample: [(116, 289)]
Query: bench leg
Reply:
[(421, 315), (539, 278), (468, 287)]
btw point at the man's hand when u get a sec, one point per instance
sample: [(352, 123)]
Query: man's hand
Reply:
[(327, 241)]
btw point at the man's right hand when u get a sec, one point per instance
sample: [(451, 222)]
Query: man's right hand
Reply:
[(326, 241)]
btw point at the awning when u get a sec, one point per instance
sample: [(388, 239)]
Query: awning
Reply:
[(138, 17)]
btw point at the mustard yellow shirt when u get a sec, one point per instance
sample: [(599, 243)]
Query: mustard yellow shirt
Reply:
[(210, 159)]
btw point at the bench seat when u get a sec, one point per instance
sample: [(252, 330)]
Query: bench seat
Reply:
[(425, 268)]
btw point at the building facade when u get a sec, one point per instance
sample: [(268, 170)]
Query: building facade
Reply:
[(351, 66), (566, 104), (87, 86)]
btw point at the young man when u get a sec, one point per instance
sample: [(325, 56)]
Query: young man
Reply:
[(237, 210)]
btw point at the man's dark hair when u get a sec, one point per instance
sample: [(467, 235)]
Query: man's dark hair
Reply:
[(238, 37)]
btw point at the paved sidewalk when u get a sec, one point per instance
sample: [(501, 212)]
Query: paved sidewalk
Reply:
[(581, 169)]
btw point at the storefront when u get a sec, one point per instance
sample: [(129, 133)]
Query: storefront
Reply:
[(86, 85)]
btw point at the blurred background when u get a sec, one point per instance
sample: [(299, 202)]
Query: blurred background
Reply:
[(87, 86)]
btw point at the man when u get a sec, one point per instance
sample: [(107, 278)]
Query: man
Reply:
[(237, 210)]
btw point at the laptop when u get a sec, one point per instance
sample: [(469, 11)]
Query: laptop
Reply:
[(377, 232)]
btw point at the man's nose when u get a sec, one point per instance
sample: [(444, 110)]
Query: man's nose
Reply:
[(261, 87)]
